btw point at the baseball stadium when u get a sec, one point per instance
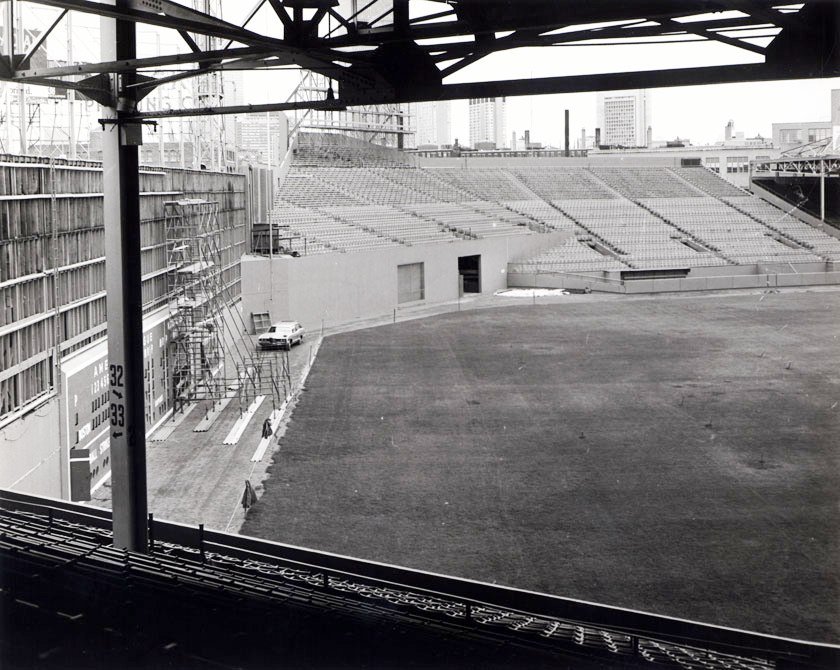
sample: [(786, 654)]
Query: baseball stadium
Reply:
[(492, 408)]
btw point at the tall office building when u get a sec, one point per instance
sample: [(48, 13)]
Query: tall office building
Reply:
[(624, 118), (262, 138), (434, 123), (488, 123)]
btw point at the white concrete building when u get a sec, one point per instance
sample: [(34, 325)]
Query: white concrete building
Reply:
[(488, 122), (252, 137), (434, 123), (624, 118)]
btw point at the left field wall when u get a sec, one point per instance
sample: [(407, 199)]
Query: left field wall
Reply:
[(52, 308)]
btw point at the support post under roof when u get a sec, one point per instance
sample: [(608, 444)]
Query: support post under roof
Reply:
[(121, 187)]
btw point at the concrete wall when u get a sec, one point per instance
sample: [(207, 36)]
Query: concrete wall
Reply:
[(702, 283), (32, 459), (337, 288)]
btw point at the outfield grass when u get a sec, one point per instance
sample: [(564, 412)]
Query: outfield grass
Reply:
[(675, 455)]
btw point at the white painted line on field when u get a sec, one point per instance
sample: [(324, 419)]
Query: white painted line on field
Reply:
[(239, 427)]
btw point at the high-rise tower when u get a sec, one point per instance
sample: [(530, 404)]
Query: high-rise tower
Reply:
[(488, 122), (624, 117)]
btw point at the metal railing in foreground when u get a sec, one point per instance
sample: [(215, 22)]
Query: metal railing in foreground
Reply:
[(265, 570)]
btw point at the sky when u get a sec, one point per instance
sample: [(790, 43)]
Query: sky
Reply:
[(697, 113)]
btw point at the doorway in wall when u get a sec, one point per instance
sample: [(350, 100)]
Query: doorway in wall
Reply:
[(469, 267)]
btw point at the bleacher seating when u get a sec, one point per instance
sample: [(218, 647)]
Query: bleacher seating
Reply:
[(343, 194), (372, 186), (502, 213), (425, 182), (782, 222), (643, 240), (483, 183), (708, 182), (574, 255), (470, 219), (307, 189), (644, 182), (394, 224), (325, 233), (337, 150), (720, 227), (541, 212), (553, 183)]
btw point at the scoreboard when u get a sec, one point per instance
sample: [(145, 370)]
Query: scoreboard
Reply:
[(86, 409)]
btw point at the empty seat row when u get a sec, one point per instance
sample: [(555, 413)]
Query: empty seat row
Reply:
[(553, 183), (644, 182), (541, 212), (394, 224), (707, 181), (483, 183)]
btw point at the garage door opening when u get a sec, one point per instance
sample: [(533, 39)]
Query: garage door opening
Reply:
[(469, 267)]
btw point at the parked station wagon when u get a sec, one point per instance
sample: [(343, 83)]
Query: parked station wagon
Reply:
[(282, 334)]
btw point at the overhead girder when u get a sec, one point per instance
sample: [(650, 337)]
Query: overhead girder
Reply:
[(398, 58), (498, 15)]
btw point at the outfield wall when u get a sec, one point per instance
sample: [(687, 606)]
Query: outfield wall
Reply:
[(32, 458), (761, 277), (338, 287)]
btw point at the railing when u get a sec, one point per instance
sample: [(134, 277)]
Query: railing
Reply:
[(521, 617)]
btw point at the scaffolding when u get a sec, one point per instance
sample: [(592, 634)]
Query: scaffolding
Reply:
[(386, 125), (212, 355)]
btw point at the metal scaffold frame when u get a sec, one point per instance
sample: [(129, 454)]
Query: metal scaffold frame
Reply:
[(208, 338), (385, 124)]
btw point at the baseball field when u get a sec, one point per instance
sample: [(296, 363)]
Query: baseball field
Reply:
[(679, 455)]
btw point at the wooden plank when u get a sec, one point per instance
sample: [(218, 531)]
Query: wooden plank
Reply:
[(274, 418), (243, 421), (213, 413), (168, 427)]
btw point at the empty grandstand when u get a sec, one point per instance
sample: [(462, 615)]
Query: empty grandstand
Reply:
[(628, 221)]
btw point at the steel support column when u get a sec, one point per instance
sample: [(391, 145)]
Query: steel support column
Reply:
[(822, 190), (121, 186)]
